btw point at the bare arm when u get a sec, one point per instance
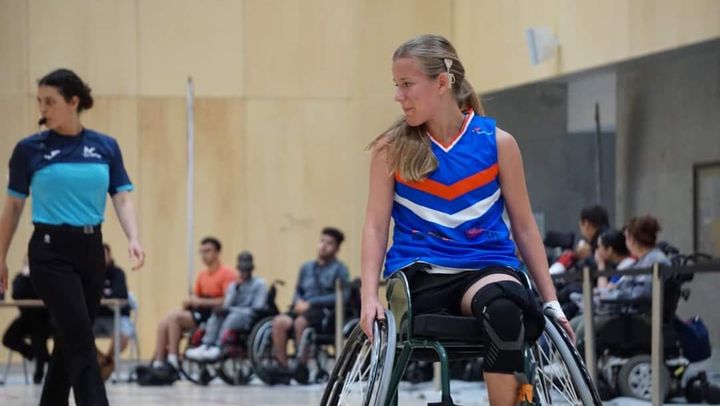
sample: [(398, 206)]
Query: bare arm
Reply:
[(9, 219), (524, 229), (125, 210), (375, 236)]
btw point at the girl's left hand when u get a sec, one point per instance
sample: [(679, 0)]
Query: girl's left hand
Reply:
[(553, 309)]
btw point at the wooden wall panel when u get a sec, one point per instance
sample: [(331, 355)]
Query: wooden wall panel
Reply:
[(663, 24), (381, 27), (14, 113), (162, 157), (299, 49), (298, 181), (13, 48), (490, 35), (118, 117), (592, 33), (490, 39), (177, 39), (220, 190), (96, 39)]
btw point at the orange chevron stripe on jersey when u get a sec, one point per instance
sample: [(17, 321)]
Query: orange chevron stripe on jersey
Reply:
[(457, 189)]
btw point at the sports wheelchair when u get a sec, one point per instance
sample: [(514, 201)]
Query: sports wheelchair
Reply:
[(368, 372), (234, 366), (318, 343)]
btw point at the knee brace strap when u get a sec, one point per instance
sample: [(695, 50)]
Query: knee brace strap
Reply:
[(533, 318), (510, 315), (504, 334)]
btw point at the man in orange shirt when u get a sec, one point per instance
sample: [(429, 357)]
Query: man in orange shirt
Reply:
[(209, 292)]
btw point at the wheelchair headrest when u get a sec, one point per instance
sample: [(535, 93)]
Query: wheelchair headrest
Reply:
[(559, 239)]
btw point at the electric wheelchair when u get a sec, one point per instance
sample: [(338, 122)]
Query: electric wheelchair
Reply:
[(623, 344)]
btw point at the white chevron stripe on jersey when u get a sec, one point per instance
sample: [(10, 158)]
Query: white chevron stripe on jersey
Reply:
[(450, 220)]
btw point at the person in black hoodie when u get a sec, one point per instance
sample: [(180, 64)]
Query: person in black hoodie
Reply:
[(33, 324), (115, 287)]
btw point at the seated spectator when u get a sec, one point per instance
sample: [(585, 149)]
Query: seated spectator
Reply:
[(115, 288), (593, 222), (640, 236), (612, 253), (244, 300), (209, 292), (314, 299), (33, 324)]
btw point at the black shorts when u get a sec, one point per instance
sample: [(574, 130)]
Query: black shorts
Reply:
[(201, 315), (321, 319), (442, 293)]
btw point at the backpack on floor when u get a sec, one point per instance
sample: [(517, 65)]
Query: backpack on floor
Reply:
[(694, 339)]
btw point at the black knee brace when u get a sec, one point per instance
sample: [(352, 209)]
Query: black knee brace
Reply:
[(509, 316)]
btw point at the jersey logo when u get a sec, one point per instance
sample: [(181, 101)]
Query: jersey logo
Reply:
[(52, 154), (479, 131), (89, 152)]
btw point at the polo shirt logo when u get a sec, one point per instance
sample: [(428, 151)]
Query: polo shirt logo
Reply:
[(89, 152), (52, 154)]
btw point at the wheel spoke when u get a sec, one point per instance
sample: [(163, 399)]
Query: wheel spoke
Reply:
[(553, 379)]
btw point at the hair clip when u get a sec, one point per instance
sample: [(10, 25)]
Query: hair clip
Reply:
[(448, 65)]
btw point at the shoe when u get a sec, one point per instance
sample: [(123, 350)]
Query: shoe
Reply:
[(166, 374), (279, 375), (196, 354), (212, 353), (301, 374)]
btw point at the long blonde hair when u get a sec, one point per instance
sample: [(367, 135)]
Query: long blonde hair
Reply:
[(408, 148)]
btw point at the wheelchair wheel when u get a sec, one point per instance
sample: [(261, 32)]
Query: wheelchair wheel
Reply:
[(362, 373), (635, 378), (261, 356), (197, 373), (235, 371), (560, 375)]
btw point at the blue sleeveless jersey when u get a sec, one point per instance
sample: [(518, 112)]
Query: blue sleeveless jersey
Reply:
[(454, 218)]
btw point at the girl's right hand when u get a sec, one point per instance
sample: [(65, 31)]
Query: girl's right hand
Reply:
[(370, 310)]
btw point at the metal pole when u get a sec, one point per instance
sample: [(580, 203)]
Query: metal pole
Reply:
[(339, 319), (589, 325), (190, 181), (598, 156), (116, 340), (656, 346)]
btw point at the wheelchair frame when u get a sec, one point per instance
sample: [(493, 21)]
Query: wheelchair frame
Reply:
[(395, 344)]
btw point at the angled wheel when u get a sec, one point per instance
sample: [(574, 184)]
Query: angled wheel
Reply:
[(560, 375), (362, 372), (199, 373), (261, 356), (235, 371)]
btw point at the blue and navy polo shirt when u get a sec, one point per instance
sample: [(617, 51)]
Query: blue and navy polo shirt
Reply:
[(67, 176)]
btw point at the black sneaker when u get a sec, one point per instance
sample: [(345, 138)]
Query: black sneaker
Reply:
[(302, 374), (167, 373), (278, 375)]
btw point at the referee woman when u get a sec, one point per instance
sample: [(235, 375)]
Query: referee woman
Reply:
[(69, 170)]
